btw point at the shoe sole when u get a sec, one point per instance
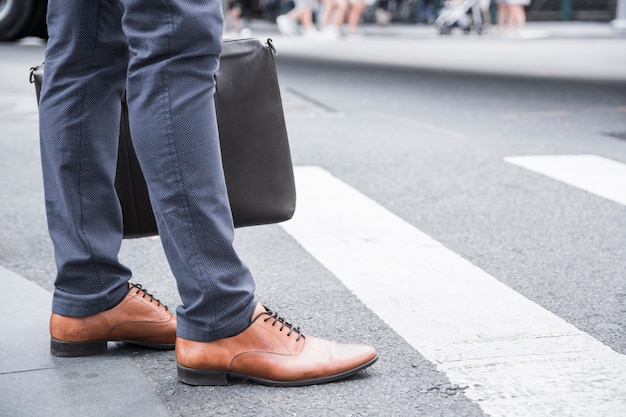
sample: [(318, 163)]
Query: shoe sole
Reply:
[(191, 376), (75, 349)]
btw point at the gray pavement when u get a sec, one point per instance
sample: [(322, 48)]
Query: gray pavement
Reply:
[(112, 384), (34, 383)]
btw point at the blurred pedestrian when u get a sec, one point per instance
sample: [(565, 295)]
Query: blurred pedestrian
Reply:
[(517, 14), (485, 13), (356, 9), (424, 12), (299, 20), (503, 15), (333, 16), (511, 14), (165, 55), (232, 16)]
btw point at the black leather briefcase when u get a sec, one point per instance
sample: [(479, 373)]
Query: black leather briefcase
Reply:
[(253, 139)]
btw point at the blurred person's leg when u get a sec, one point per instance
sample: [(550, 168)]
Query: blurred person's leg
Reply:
[(503, 15), (356, 10), (517, 16)]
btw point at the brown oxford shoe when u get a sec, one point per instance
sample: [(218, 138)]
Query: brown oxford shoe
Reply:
[(271, 352), (139, 319)]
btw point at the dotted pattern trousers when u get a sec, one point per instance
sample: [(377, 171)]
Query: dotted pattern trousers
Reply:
[(165, 53)]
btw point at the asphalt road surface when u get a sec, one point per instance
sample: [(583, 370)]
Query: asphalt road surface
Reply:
[(491, 283)]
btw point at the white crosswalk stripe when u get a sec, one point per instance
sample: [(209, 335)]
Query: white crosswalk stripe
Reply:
[(514, 357), (592, 173)]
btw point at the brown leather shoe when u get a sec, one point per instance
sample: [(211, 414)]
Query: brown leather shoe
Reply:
[(271, 352), (139, 319)]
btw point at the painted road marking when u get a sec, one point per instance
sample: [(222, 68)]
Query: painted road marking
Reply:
[(515, 357), (595, 174), (561, 113)]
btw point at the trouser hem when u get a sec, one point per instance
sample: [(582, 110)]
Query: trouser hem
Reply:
[(238, 324)]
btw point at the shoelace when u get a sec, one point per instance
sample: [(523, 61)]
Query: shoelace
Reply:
[(140, 289), (283, 323)]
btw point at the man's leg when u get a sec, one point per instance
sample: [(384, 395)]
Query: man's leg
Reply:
[(175, 47), (84, 77), (221, 330)]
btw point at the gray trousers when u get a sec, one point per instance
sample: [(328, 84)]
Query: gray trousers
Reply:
[(165, 53)]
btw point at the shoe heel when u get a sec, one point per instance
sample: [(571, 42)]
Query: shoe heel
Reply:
[(74, 349), (191, 376)]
